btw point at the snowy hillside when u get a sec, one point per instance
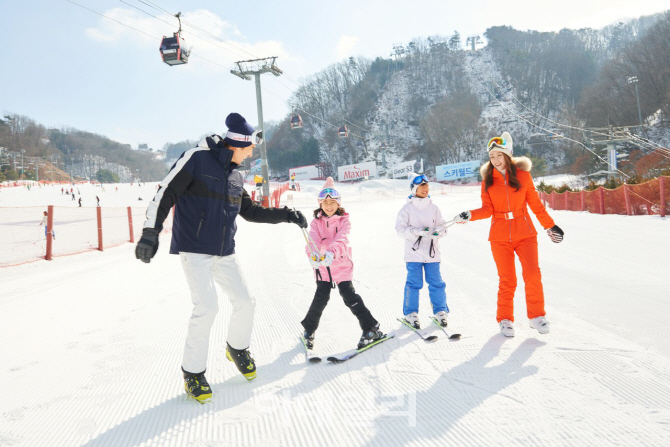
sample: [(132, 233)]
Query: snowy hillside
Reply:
[(91, 344)]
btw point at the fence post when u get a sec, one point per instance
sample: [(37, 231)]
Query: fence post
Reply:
[(661, 183), (130, 224), (583, 198), (553, 200), (49, 235), (602, 200), (99, 214), (626, 197)]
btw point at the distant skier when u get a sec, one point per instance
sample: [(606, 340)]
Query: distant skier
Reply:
[(507, 191), (79, 202), (330, 230), (420, 223), (98, 200), (292, 181), (258, 180), (45, 222), (208, 193)]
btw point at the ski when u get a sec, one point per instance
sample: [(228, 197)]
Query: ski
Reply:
[(354, 352), (312, 357), (449, 336), (419, 332)]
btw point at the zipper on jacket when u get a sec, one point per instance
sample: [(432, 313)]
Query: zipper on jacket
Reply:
[(223, 242), (509, 208), (197, 234)]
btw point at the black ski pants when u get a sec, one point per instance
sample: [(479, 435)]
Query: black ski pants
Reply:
[(351, 299)]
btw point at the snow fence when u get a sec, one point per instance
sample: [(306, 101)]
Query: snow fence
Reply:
[(649, 198)]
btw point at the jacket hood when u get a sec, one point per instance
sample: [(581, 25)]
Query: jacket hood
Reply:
[(523, 163)]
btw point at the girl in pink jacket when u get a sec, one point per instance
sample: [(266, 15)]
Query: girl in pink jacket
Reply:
[(331, 260)]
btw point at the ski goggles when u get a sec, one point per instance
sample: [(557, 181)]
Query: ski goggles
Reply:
[(420, 180), (329, 193), (255, 138), (496, 142)]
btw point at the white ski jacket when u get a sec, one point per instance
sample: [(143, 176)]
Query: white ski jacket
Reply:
[(416, 215)]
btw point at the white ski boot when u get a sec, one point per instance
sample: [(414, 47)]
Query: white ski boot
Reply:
[(507, 328), (413, 319), (441, 318), (540, 324)]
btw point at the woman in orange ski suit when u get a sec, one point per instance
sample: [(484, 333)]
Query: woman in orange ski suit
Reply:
[(507, 192)]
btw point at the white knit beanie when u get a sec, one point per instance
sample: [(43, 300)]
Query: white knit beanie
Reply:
[(507, 146)]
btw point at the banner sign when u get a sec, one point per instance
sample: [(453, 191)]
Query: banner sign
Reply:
[(402, 170), (304, 172), (255, 166), (357, 171), (457, 170)]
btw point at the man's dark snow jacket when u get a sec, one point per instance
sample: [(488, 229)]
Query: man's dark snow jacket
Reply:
[(208, 193)]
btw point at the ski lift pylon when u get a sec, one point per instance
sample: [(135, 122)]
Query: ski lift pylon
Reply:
[(172, 48)]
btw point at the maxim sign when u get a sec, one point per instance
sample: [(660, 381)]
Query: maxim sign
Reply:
[(357, 171)]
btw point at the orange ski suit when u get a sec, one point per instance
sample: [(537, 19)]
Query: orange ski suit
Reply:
[(512, 231)]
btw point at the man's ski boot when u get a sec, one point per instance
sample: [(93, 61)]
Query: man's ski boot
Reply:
[(413, 320), (441, 318), (309, 339), (196, 386), (370, 336), (242, 359)]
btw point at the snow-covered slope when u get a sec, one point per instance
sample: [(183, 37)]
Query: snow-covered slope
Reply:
[(91, 344)]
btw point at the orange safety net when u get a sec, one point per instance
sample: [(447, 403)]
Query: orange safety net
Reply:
[(652, 197)]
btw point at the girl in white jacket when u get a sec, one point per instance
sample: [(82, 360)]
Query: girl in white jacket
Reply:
[(420, 223)]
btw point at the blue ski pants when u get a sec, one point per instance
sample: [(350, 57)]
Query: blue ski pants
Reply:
[(414, 284)]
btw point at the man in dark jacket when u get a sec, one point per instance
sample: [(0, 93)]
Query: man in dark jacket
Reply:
[(208, 194)]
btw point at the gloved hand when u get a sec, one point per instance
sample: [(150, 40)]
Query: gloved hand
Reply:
[(315, 259), (463, 217), (555, 233), (327, 259), (147, 246), (297, 218), (420, 232)]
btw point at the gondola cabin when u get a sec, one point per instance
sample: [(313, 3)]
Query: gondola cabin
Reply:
[(296, 121), (173, 51), (343, 132)]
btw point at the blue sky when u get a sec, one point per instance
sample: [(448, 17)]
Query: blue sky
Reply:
[(66, 66)]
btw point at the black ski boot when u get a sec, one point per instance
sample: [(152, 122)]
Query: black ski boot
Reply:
[(242, 359), (309, 339), (196, 386), (370, 336)]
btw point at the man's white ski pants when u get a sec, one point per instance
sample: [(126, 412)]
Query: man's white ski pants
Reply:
[(201, 272)]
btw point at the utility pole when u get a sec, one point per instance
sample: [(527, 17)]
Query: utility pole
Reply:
[(257, 67), (23, 151), (633, 80)]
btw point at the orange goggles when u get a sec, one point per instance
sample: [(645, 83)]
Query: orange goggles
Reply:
[(496, 141)]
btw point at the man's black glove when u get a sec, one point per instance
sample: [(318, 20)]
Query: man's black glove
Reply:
[(147, 246), (555, 233), (297, 218)]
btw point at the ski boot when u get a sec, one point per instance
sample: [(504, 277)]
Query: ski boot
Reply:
[(441, 318), (507, 328), (413, 320), (370, 336), (242, 359), (540, 324), (309, 339), (196, 386)]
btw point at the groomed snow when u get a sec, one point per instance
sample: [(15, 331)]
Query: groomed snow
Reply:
[(92, 343)]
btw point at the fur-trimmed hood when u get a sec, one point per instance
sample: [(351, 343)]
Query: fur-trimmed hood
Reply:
[(523, 163)]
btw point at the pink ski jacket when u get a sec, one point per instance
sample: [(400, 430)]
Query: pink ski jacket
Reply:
[(332, 234)]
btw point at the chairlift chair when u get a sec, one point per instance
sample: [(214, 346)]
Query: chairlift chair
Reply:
[(172, 48), (296, 121), (343, 132)]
